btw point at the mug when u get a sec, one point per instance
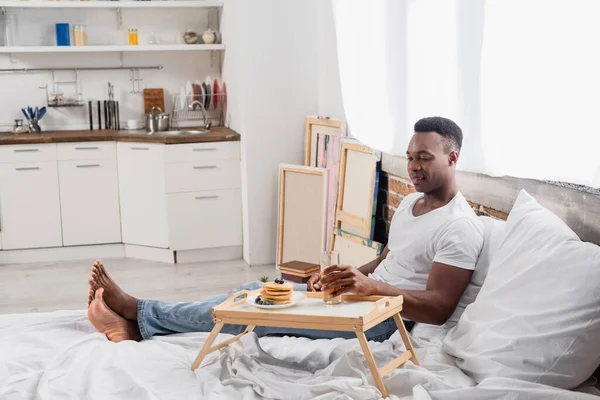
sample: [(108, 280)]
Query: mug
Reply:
[(133, 124)]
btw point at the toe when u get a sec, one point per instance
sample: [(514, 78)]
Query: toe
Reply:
[(99, 294)]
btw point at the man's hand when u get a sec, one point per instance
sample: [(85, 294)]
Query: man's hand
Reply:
[(348, 279), (314, 282)]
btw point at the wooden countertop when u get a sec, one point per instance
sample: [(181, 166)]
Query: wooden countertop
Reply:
[(217, 134)]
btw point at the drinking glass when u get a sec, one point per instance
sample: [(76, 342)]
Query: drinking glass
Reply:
[(327, 259)]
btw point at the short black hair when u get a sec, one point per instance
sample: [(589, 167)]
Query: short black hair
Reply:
[(444, 127)]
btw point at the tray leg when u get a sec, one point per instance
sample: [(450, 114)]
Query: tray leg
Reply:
[(227, 342), (406, 338), (206, 348), (362, 339)]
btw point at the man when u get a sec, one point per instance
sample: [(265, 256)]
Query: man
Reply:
[(434, 242)]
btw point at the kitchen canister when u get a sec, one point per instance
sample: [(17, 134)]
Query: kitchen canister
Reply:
[(63, 37)]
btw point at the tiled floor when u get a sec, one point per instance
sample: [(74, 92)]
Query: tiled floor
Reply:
[(63, 286)]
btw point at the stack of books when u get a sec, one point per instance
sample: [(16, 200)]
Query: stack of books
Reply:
[(298, 271)]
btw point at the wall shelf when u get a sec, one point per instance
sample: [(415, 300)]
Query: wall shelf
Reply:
[(113, 4), (110, 48)]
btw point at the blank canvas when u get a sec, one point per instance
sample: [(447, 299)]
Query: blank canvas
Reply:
[(302, 205), (358, 189), (352, 253)]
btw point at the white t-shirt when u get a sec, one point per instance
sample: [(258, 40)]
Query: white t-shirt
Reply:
[(451, 235)]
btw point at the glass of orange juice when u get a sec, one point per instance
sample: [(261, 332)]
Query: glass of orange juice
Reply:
[(327, 259)]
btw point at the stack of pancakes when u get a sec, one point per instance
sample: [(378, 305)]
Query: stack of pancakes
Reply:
[(277, 293)]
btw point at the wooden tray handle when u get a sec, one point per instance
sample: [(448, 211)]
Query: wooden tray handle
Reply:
[(231, 300), (382, 304), (387, 302)]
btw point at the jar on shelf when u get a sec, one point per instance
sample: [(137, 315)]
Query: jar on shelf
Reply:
[(10, 29), (80, 35), (133, 37)]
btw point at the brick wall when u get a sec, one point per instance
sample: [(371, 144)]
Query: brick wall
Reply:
[(392, 190)]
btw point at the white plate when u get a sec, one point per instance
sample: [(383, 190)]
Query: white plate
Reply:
[(189, 93), (182, 99), (297, 297)]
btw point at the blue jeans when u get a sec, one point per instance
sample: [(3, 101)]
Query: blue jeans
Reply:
[(161, 318)]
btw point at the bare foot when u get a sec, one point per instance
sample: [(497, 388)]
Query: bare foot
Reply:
[(119, 301), (105, 320), (91, 292)]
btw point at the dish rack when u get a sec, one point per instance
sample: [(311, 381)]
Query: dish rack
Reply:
[(198, 108)]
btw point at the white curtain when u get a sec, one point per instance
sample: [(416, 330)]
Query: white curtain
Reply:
[(521, 77)]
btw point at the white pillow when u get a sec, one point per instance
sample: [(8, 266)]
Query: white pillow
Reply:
[(537, 316), (493, 233)]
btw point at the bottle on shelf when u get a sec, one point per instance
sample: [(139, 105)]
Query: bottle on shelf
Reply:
[(133, 37), (80, 35)]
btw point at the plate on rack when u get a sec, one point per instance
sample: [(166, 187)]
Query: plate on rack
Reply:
[(201, 93), (207, 96), (189, 93), (211, 100), (216, 93), (224, 100), (182, 98), (297, 297), (197, 91)]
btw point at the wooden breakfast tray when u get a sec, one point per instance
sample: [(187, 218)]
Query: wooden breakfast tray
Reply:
[(356, 314)]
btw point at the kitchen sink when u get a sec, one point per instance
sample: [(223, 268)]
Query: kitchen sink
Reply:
[(182, 132), (174, 132)]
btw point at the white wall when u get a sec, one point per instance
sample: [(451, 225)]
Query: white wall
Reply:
[(36, 27), (271, 59), (328, 87)]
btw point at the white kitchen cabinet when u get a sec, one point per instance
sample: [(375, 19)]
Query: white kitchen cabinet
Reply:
[(28, 153), (192, 152), (86, 151), (203, 175), (200, 220), (142, 194), (89, 196), (29, 204)]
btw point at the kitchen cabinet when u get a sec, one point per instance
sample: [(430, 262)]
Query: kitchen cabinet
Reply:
[(202, 175), (207, 219), (174, 197), (89, 198), (29, 204), (89, 193), (181, 197), (203, 195), (142, 194)]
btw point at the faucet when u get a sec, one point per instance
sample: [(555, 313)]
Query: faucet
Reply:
[(207, 121)]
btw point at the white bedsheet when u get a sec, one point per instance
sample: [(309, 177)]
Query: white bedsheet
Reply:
[(59, 355)]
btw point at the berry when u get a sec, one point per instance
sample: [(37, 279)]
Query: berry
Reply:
[(257, 299)]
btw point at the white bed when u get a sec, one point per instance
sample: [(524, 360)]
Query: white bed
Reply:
[(517, 327), (59, 355)]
